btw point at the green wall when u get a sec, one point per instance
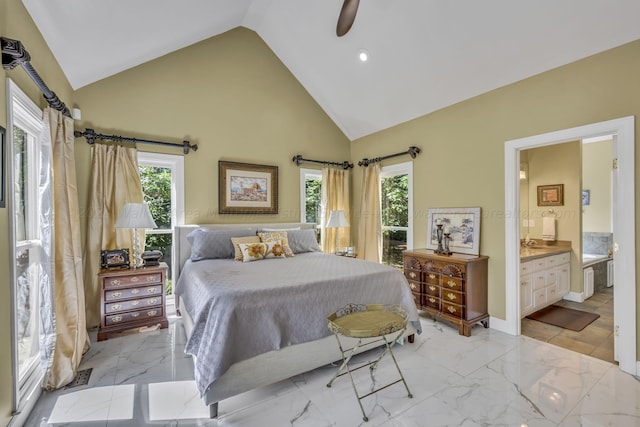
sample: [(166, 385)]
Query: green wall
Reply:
[(462, 159)]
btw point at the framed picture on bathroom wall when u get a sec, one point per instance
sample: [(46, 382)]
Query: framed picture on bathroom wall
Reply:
[(463, 225), (551, 195)]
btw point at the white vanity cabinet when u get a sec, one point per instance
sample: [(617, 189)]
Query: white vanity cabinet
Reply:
[(543, 281)]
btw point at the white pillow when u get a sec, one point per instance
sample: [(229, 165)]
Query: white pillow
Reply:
[(262, 250), (280, 229)]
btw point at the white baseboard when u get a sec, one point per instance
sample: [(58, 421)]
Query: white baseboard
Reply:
[(501, 325), (574, 296)]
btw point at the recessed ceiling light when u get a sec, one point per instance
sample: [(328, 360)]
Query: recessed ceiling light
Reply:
[(363, 55)]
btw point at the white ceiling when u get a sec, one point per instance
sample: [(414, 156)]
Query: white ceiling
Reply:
[(424, 54)]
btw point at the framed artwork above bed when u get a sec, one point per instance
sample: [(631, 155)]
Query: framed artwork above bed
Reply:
[(247, 188)]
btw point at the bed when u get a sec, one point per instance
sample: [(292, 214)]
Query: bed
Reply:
[(250, 324)]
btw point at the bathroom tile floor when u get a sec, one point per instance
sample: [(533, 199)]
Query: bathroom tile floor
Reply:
[(595, 340), (487, 379)]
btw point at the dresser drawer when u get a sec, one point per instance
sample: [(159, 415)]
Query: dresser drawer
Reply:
[(134, 316), (117, 282), (452, 309), (412, 274), (431, 301), (432, 289), (132, 293), (453, 296), (432, 278), (452, 283), (415, 286), (132, 304)]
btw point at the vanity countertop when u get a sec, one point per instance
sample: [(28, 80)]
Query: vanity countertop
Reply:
[(531, 253)]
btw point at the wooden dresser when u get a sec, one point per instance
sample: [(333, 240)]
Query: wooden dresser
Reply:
[(452, 287), (132, 298)]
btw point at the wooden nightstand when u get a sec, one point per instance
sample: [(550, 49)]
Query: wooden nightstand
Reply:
[(132, 298)]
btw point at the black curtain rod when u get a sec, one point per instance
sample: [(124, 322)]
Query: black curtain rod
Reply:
[(412, 151), (14, 54), (91, 136), (345, 165)]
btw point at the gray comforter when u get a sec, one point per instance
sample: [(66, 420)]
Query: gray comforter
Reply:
[(241, 309)]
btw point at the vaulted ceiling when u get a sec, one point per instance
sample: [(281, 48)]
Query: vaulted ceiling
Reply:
[(423, 54)]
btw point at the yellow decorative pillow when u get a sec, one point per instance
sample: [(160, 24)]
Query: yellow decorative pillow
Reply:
[(281, 236), (258, 251), (236, 244)]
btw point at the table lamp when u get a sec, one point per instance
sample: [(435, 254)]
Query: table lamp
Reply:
[(337, 219), (136, 215)]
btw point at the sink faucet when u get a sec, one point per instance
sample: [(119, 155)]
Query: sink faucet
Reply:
[(529, 242)]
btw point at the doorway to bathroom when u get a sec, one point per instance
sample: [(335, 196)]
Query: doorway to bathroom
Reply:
[(584, 222), (623, 221)]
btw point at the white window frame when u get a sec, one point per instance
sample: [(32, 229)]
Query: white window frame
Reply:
[(23, 112), (176, 164), (405, 168), (306, 174)]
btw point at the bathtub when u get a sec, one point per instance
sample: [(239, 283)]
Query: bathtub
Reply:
[(589, 259)]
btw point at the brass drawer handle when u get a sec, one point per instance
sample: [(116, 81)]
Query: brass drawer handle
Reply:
[(115, 282), (117, 319), (151, 290), (134, 291), (134, 279), (116, 306), (431, 287), (451, 283), (451, 296), (432, 299), (451, 309), (152, 313), (412, 275), (152, 301), (412, 286), (151, 278), (432, 276), (116, 294), (134, 303), (135, 314)]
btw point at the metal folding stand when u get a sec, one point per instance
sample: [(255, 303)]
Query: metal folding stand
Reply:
[(368, 321)]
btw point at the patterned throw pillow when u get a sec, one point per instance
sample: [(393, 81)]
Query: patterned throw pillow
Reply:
[(236, 244), (258, 251), (277, 236)]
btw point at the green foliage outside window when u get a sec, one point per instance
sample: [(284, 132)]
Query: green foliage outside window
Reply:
[(313, 192), (395, 213)]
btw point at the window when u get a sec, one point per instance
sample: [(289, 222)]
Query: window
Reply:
[(162, 177), (396, 196), (311, 198), (30, 193)]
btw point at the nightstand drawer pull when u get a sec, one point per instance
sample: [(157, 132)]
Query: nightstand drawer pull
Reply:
[(117, 318), (151, 278), (451, 296), (115, 282), (134, 291), (116, 307), (135, 314), (151, 290), (152, 313), (152, 301), (134, 303), (134, 279), (116, 294)]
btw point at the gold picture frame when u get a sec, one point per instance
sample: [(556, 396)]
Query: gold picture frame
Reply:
[(551, 195), (246, 188)]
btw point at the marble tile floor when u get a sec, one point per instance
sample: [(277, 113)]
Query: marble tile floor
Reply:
[(595, 340), (488, 379)]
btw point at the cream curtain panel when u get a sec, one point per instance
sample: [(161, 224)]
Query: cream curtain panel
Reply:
[(114, 181), (370, 225), (335, 196), (68, 293)]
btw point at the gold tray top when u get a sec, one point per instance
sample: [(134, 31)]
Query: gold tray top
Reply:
[(367, 320)]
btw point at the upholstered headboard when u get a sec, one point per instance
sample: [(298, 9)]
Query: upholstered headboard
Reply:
[(182, 247)]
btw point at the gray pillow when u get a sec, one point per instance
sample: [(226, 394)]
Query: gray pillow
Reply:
[(301, 241), (212, 244)]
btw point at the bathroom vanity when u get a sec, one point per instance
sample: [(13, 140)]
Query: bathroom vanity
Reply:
[(545, 276)]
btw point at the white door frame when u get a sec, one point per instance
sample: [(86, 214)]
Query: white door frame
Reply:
[(623, 228)]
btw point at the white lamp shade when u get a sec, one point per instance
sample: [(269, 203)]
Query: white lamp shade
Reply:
[(135, 215), (337, 219)]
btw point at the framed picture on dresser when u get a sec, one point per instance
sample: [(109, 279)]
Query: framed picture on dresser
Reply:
[(462, 224)]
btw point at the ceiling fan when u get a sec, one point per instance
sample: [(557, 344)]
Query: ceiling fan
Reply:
[(347, 16)]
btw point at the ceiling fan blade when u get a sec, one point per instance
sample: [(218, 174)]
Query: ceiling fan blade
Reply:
[(347, 16)]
